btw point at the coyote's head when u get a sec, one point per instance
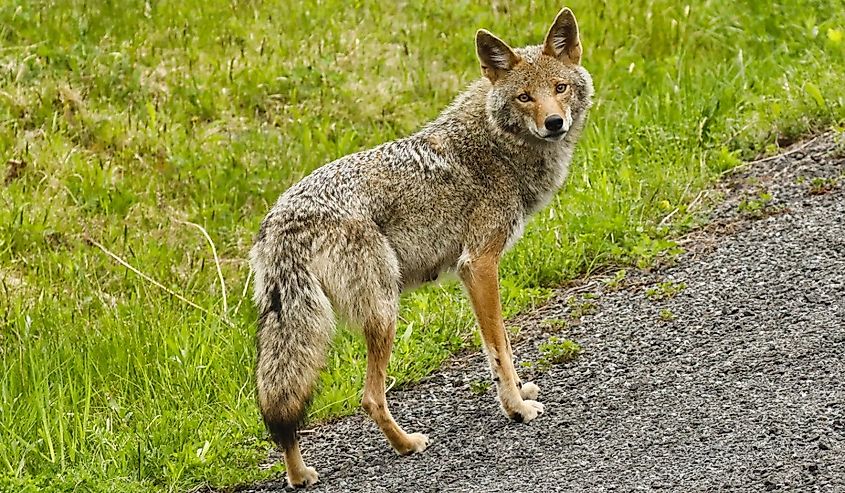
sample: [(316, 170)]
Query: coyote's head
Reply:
[(538, 93)]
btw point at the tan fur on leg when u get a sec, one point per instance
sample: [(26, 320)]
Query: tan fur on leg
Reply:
[(299, 475), (481, 277), (379, 337)]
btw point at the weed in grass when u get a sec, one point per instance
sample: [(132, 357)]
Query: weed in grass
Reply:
[(649, 250), (665, 290), (666, 315), (771, 149), (838, 150), (579, 307), (556, 351), (479, 387), (821, 186), (616, 282), (755, 206), (555, 324)]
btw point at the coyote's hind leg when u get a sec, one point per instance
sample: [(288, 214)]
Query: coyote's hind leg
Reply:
[(379, 334), (362, 276)]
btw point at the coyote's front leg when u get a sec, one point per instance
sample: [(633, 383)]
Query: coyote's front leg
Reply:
[(481, 278)]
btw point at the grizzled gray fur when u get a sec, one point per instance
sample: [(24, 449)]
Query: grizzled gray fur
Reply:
[(355, 233)]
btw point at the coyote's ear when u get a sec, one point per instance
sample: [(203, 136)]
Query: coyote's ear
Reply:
[(495, 56), (562, 41)]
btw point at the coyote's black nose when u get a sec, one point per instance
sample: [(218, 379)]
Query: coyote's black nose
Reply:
[(554, 123)]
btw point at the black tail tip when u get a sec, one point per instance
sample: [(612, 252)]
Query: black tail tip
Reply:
[(282, 432)]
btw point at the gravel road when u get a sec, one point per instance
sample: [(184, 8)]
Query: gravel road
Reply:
[(723, 371)]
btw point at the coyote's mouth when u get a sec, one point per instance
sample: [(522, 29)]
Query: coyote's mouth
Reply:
[(551, 137), (556, 136)]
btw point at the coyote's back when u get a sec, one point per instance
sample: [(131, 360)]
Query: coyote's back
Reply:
[(351, 236)]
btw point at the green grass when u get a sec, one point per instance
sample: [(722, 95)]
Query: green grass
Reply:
[(556, 351), (123, 118)]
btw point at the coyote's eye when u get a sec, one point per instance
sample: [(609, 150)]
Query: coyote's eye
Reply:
[(560, 88), (524, 97)]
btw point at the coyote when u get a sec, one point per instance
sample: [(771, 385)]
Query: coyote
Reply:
[(355, 233)]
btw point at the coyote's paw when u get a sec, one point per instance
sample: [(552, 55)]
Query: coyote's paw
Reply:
[(525, 411), (529, 390), (303, 477), (415, 443)]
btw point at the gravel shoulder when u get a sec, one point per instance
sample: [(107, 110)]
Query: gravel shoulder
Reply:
[(723, 371)]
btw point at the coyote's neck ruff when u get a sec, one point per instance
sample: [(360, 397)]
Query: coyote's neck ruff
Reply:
[(353, 234)]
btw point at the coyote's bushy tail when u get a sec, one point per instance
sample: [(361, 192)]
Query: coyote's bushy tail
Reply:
[(294, 330)]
